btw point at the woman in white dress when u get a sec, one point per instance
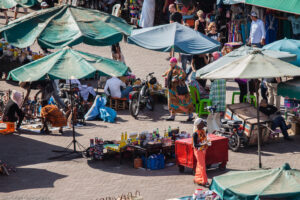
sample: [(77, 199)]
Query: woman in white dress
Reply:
[(148, 13)]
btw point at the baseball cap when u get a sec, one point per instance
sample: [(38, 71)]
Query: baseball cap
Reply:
[(253, 14)]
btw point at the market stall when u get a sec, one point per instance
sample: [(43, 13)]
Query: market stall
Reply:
[(217, 153)]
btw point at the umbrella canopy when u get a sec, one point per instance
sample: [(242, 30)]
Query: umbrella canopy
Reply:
[(230, 2), (290, 89), (67, 64), (239, 53), (283, 183), (286, 45), (6, 4), (65, 26), (253, 66), (165, 37)]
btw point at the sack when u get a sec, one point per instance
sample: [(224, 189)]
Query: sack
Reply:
[(182, 89), (137, 196)]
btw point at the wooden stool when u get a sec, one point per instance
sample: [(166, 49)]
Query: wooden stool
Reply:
[(118, 103)]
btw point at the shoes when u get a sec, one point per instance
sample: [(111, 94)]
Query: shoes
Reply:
[(168, 58), (288, 139), (171, 118), (190, 119), (206, 185), (289, 126)]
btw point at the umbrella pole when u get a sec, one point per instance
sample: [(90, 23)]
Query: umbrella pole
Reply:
[(74, 141), (259, 131)]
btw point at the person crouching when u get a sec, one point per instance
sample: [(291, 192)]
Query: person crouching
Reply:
[(52, 114)]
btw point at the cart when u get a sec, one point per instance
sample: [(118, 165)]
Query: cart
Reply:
[(217, 153), (247, 113)]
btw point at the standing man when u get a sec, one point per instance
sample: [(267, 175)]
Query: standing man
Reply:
[(257, 31), (174, 15)]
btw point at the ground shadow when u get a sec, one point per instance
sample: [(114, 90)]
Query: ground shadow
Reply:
[(66, 133), (29, 179), (18, 151)]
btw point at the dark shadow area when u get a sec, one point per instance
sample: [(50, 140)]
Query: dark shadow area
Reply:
[(278, 145), (21, 151), (66, 133), (28, 178), (158, 114)]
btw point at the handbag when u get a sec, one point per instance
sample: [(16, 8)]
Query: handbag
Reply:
[(182, 89)]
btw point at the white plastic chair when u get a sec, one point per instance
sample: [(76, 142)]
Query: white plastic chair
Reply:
[(116, 10)]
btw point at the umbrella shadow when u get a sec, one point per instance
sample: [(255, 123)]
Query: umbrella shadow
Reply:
[(21, 151), (278, 145), (66, 133), (29, 178)]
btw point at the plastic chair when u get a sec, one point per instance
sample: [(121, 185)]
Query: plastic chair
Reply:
[(116, 10), (233, 96), (200, 104), (193, 92), (10, 128), (252, 99)]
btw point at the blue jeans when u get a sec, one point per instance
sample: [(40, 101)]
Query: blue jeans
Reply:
[(263, 91), (279, 122), (125, 92)]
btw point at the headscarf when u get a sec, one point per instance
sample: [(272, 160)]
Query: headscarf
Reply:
[(197, 122), (16, 97), (170, 74)]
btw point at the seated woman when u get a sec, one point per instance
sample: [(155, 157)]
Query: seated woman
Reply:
[(12, 109), (52, 114)]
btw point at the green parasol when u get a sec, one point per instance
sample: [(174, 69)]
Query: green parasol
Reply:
[(65, 25), (67, 64), (279, 183)]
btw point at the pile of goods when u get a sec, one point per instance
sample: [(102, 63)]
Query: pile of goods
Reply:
[(200, 194)]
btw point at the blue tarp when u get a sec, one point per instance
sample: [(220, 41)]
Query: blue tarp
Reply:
[(286, 45), (99, 111), (165, 37)]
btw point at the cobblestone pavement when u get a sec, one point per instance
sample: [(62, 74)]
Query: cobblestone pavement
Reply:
[(38, 178)]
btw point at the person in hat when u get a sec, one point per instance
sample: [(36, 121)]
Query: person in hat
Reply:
[(179, 100), (257, 31), (200, 146)]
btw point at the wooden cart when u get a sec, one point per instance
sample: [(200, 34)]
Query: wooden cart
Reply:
[(247, 113)]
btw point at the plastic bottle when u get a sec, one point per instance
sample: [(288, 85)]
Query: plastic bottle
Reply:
[(126, 136), (157, 133), (122, 137), (169, 131)]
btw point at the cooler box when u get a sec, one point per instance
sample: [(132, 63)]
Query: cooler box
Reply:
[(216, 153), (247, 113)]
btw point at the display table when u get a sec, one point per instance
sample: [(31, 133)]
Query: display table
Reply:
[(216, 153)]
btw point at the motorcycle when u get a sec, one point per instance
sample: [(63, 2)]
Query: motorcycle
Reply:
[(227, 128), (140, 97)]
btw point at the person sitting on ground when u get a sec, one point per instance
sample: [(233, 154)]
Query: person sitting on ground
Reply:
[(12, 109), (52, 114), (277, 119), (113, 88), (86, 92)]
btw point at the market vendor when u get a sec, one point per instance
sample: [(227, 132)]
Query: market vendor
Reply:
[(275, 116), (179, 100), (116, 88), (52, 114), (200, 146), (12, 109)]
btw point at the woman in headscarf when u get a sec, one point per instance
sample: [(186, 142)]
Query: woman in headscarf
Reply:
[(179, 100), (13, 108), (200, 146)]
